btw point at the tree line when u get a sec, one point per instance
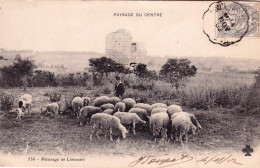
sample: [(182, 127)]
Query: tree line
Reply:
[(24, 72)]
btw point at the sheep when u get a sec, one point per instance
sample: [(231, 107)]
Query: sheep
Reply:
[(114, 100), (142, 113), (99, 101), (109, 111), (77, 104), (158, 124), (107, 106), (173, 109), (106, 122), (25, 102), (181, 124), (129, 102), (120, 106), (20, 113), (159, 110), (129, 119), (52, 107), (147, 107), (158, 105), (86, 101), (87, 112), (191, 116)]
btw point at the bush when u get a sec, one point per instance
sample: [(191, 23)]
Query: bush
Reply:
[(7, 101), (55, 97), (252, 98), (42, 78), (79, 93), (12, 75)]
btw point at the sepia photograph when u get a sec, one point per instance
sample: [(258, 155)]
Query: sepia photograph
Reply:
[(130, 84)]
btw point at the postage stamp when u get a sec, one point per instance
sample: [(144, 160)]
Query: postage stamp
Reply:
[(231, 22), (252, 9), (232, 18)]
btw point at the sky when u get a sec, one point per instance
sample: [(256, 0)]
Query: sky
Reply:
[(83, 26)]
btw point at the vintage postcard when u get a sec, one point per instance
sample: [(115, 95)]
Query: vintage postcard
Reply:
[(130, 84)]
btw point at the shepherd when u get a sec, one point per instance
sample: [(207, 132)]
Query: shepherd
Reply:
[(119, 87)]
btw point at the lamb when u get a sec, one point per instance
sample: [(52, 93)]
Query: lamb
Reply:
[(129, 102), (120, 106), (25, 102), (129, 119), (106, 122), (181, 124), (86, 101), (142, 113), (20, 113), (99, 101), (109, 111), (87, 112), (77, 104), (107, 106), (159, 110), (158, 105), (158, 124), (144, 106), (114, 100), (173, 109), (53, 108)]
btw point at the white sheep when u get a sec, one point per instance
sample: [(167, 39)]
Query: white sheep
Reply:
[(86, 101), (155, 105), (181, 124), (120, 106), (25, 102), (107, 106), (19, 112), (114, 100), (52, 108), (99, 101), (192, 118), (77, 104), (173, 109), (142, 113), (129, 119), (129, 102), (86, 113), (158, 124), (145, 106), (106, 122), (159, 110), (109, 111)]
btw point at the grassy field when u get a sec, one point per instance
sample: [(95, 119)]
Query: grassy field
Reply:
[(222, 129)]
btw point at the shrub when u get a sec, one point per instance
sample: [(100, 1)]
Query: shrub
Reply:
[(252, 98), (12, 75), (55, 97), (7, 101)]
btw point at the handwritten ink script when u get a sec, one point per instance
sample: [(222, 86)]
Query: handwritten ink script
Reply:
[(138, 14), (162, 161)]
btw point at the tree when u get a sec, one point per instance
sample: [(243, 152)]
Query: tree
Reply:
[(105, 65), (141, 70), (176, 70), (12, 75)]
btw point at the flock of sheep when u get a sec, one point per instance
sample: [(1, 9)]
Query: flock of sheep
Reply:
[(111, 114)]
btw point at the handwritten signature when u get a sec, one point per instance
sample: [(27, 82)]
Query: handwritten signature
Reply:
[(163, 161)]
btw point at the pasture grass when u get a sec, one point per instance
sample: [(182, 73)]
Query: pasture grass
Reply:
[(222, 129)]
